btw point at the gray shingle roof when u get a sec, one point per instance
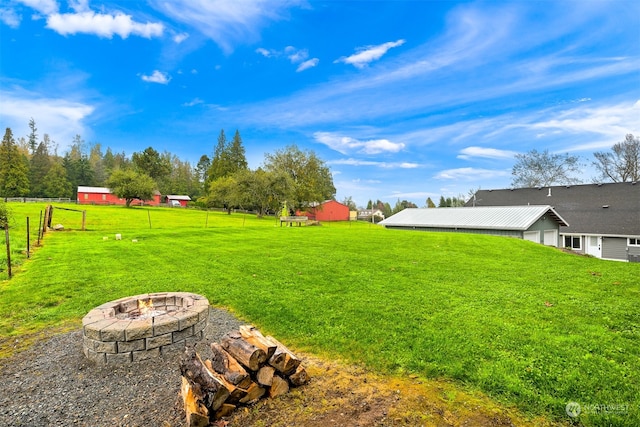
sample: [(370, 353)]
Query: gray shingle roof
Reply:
[(485, 218), (611, 209)]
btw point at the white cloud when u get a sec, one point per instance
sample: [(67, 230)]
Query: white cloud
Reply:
[(470, 174), (308, 64), (102, 25), (45, 7), (296, 55), (488, 153), (157, 77), (9, 17), (346, 144), (368, 54), (179, 38), (385, 165), (193, 102), (58, 117), (227, 22), (79, 5), (264, 52)]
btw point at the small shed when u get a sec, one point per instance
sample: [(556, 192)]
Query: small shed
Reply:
[(540, 224), (329, 210), (174, 200)]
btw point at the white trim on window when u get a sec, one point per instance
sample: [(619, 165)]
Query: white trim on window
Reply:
[(574, 242), (633, 241)]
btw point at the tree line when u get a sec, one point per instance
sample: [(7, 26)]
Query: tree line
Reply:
[(32, 167)]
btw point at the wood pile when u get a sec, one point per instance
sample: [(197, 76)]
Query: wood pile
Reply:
[(245, 367)]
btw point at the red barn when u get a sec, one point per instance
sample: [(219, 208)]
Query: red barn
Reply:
[(104, 196), (329, 210)]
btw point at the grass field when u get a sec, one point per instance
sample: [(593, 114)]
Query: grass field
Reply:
[(526, 324)]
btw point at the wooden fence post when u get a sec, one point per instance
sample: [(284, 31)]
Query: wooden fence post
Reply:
[(6, 237), (28, 243), (84, 219)]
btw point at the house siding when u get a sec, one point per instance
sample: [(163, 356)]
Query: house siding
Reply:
[(614, 248), (507, 233), (546, 224)]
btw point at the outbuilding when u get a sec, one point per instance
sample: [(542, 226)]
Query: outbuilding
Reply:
[(540, 224), (104, 196), (329, 210), (177, 200)]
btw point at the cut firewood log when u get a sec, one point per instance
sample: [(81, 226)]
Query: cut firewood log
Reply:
[(225, 410), (265, 375), (279, 386), (225, 364), (235, 393), (194, 407), (299, 377), (247, 354), (254, 392), (255, 337), (194, 370), (283, 359)]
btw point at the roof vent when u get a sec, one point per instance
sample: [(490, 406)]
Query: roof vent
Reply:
[(549, 195), (600, 185), (605, 206)]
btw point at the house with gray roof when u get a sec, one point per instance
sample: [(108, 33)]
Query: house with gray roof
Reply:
[(603, 219), (540, 224)]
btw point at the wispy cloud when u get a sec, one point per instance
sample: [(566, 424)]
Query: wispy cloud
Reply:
[(45, 7), (193, 102), (227, 22), (385, 165), (308, 64), (346, 144), (61, 118), (9, 17), (367, 54), (470, 174), (102, 25), (180, 37), (157, 77), (487, 153)]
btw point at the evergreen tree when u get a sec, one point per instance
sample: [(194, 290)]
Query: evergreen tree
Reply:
[(56, 183), (152, 163), (14, 170), (40, 165), (218, 168), (33, 136), (236, 155), (430, 203)]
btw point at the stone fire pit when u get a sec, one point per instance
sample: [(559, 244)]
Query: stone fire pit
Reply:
[(143, 326)]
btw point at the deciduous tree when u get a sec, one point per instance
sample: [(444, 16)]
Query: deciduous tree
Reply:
[(131, 185), (622, 163), (542, 169), (311, 178)]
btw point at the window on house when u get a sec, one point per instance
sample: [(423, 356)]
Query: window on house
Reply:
[(86, 196), (634, 241), (573, 242), (104, 197)]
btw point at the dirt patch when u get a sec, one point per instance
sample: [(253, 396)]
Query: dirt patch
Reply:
[(343, 395)]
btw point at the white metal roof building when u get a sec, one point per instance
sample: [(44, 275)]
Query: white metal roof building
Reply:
[(536, 223)]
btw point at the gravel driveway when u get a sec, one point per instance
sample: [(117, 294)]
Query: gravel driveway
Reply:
[(53, 384)]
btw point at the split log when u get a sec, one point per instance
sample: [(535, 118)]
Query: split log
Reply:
[(225, 364), (265, 375), (299, 377), (235, 393), (194, 407), (283, 359), (225, 410), (254, 392), (255, 337), (193, 369), (279, 386), (248, 354)]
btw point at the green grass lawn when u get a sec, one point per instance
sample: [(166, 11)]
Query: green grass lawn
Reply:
[(526, 324)]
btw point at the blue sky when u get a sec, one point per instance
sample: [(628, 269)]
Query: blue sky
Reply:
[(402, 99)]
